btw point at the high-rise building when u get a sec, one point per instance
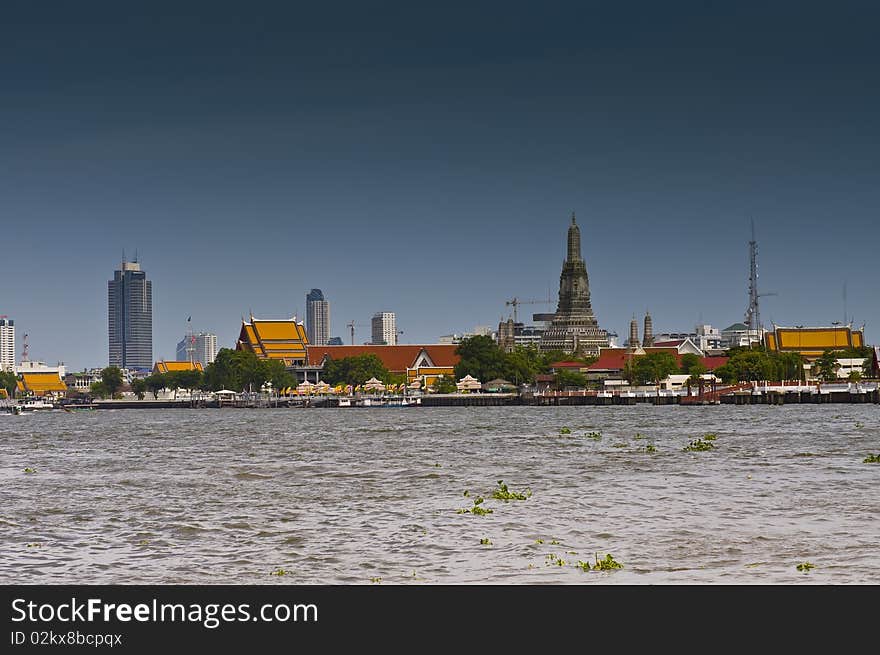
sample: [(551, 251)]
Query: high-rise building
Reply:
[(317, 318), (201, 346), (130, 310), (384, 329), (7, 344), (574, 328)]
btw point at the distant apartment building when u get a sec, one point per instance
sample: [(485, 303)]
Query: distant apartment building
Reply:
[(317, 318), (7, 344), (201, 346), (384, 329), (130, 318), (739, 335)]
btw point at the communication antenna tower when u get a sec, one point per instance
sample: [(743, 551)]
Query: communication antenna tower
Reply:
[(24, 351), (753, 315)]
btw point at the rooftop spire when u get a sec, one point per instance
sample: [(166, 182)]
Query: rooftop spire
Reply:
[(574, 241)]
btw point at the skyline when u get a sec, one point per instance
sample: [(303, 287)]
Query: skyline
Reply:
[(426, 161)]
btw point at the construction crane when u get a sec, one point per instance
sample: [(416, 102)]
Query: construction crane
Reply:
[(351, 326), (515, 302)]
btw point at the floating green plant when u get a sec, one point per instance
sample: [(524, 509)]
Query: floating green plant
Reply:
[(710, 436), (466, 493), (595, 436), (280, 572), (639, 435), (143, 542), (606, 564), (476, 509), (860, 425), (554, 542), (619, 445), (806, 566), (871, 459), (698, 445), (485, 541), (437, 465), (583, 565), (553, 560), (30, 470), (539, 541), (34, 545), (565, 430), (503, 493), (376, 579), (650, 448)]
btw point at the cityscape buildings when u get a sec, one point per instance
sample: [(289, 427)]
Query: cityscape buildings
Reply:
[(317, 318), (574, 328), (198, 347), (130, 317), (384, 326), (7, 344)]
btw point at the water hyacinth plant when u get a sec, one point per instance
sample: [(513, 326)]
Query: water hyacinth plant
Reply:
[(650, 448), (698, 445), (607, 564), (805, 566), (565, 430), (595, 436), (476, 509), (485, 541), (503, 493), (710, 436), (872, 459)]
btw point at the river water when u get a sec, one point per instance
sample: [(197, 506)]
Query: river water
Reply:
[(366, 496)]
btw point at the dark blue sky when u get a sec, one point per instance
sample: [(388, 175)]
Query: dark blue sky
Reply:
[(425, 159)]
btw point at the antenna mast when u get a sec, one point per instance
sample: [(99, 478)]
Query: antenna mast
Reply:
[(753, 317), (24, 351)]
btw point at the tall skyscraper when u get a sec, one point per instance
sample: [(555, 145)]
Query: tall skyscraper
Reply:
[(201, 345), (384, 329), (317, 318), (130, 310), (574, 328), (7, 344)]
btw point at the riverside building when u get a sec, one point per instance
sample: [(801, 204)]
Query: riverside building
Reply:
[(130, 317), (574, 328)]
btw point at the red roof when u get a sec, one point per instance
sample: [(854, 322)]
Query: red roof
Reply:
[(395, 358), (669, 344), (567, 365), (614, 359)]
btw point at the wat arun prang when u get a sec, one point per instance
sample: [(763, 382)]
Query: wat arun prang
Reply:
[(574, 328)]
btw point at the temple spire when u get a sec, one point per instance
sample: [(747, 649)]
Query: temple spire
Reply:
[(574, 241)]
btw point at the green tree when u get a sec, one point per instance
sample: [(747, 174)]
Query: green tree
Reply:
[(100, 389), (826, 366), (275, 372), (651, 368), (354, 370), (569, 379), (854, 376), (481, 358), (155, 383), (112, 379), (139, 387), (9, 381), (752, 365), (688, 361), (445, 384)]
